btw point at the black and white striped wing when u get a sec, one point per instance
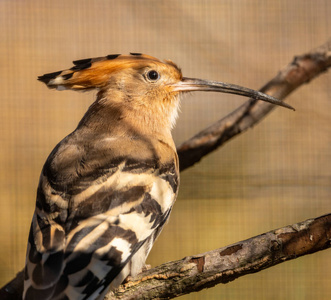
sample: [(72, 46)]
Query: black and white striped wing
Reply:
[(97, 215)]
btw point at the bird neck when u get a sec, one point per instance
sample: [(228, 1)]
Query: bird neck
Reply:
[(119, 116)]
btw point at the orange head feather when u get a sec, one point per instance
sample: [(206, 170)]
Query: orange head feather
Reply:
[(95, 72)]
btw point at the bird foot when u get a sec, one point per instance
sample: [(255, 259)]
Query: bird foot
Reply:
[(130, 278)]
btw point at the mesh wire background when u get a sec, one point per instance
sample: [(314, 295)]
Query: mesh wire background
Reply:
[(278, 173)]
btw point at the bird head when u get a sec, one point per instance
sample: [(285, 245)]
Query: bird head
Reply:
[(141, 82)]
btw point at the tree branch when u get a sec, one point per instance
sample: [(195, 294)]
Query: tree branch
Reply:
[(194, 273), (301, 70)]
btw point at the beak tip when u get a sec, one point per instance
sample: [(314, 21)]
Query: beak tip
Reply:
[(273, 100)]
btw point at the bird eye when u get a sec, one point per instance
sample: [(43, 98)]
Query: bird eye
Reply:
[(153, 75)]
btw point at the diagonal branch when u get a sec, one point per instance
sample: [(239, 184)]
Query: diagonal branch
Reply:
[(301, 70), (194, 273)]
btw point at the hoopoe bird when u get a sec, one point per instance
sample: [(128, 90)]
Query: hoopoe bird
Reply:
[(107, 189)]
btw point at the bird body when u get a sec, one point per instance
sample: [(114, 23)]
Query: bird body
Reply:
[(107, 189)]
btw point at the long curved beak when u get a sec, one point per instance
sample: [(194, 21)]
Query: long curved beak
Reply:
[(194, 84)]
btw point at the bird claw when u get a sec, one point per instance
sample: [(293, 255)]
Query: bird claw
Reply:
[(144, 269)]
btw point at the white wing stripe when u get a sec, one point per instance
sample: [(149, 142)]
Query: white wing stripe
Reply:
[(123, 246)]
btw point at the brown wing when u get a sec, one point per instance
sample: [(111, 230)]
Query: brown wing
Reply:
[(95, 209)]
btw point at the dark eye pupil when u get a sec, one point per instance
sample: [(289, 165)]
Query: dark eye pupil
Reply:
[(153, 75)]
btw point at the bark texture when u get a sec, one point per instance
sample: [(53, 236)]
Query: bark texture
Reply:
[(193, 273)]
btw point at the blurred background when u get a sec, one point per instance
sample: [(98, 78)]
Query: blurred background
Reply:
[(277, 173)]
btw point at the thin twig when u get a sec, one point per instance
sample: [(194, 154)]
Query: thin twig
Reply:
[(301, 70)]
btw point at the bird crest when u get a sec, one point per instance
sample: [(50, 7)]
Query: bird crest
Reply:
[(93, 73)]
